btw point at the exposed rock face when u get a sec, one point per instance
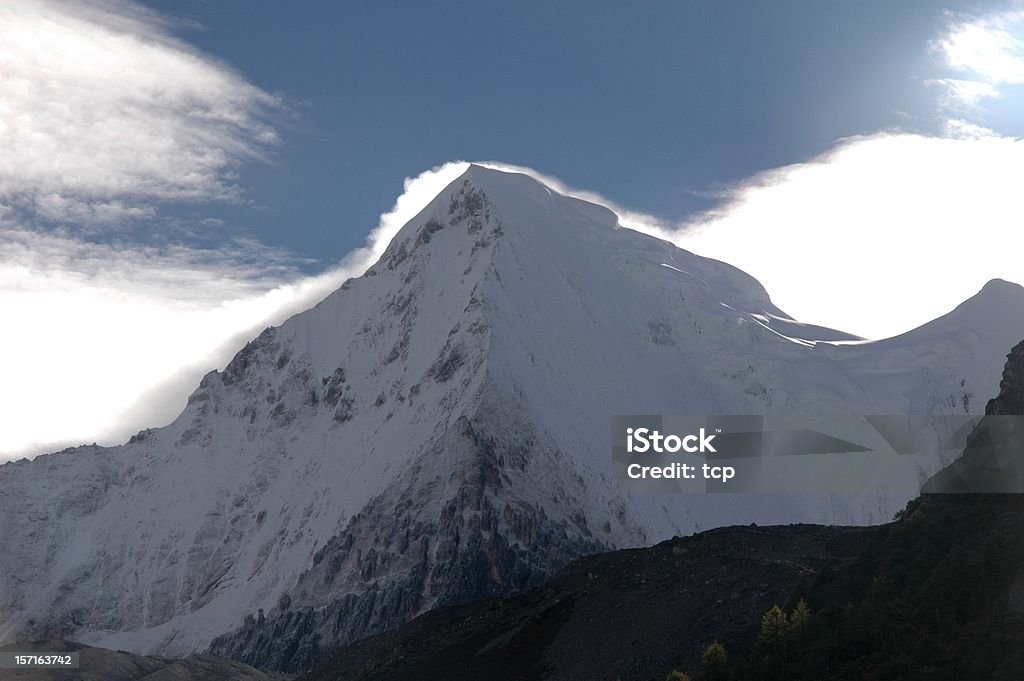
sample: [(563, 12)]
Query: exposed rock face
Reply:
[(1010, 400), (993, 460), (413, 547), (437, 430)]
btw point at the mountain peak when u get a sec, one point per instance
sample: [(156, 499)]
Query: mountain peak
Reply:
[(521, 197), (993, 309), (502, 181), (997, 299), (485, 204), (1001, 287)]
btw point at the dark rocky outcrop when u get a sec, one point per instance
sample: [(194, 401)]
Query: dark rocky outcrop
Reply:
[(1010, 400), (992, 461)]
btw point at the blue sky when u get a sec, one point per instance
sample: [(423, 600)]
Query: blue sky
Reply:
[(176, 175), (653, 104)]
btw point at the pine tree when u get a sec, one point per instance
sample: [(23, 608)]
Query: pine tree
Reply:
[(800, 616), (677, 676), (774, 627), (714, 663)]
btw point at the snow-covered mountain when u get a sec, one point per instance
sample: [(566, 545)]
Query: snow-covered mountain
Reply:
[(438, 430)]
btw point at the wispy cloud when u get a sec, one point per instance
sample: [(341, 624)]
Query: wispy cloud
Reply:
[(985, 53), (417, 192), (105, 117), (103, 113)]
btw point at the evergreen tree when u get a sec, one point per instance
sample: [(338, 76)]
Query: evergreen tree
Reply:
[(714, 663), (800, 615), (774, 627)]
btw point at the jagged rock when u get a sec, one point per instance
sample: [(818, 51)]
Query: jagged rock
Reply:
[(1010, 400), (993, 460)]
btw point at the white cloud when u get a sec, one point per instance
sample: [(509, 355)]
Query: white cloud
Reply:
[(104, 116), (89, 328), (988, 54), (880, 234), (103, 112), (417, 192), (958, 128), (964, 95)]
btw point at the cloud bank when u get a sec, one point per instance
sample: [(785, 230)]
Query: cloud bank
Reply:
[(105, 117), (879, 235), (88, 329)]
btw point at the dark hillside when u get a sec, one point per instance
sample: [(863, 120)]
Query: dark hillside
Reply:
[(622, 615)]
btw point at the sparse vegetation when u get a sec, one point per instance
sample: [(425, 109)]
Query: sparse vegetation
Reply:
[(927, 601)]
